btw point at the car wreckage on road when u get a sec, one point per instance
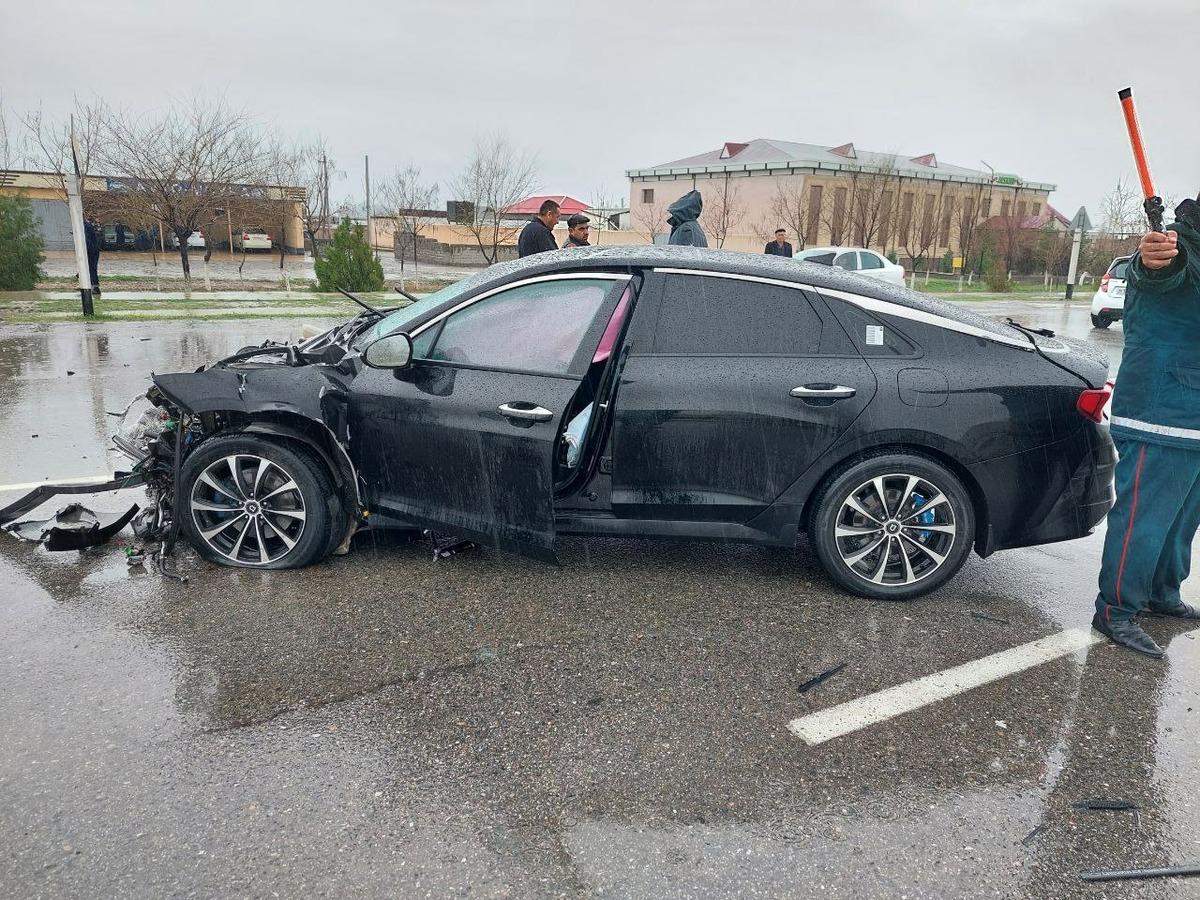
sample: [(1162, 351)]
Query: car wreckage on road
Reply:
[(662, 392)]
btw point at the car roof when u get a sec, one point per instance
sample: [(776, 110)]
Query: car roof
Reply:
[(624, 257)]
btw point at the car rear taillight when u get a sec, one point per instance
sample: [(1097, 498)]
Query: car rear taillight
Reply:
[(245, 237), (1104, 282), (1091, 402)]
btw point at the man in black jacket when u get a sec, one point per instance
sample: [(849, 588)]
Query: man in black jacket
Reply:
[(93, 236), (779, 247), (577, 231), (538, 235)]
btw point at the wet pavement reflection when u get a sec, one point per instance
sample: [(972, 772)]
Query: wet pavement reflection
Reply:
[(384, 724)]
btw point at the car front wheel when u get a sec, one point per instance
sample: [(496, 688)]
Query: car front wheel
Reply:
[(257, 503), (893, 527)]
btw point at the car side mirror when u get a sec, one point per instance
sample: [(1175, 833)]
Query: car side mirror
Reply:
[(393, 351)]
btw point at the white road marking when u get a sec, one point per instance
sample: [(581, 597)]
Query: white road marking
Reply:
[(872, 709), (31, 485)]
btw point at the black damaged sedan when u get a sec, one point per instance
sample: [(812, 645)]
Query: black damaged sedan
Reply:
[(644, 392)]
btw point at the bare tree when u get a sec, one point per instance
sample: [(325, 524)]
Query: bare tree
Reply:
[(870, 201), (1121, 211), (495, 177), (723, 211), (49, 142), (834, 212), (966, 224), (791, 206), (653, 218), (601, 206), (919, 229), (184, 167), (309, 166), (409, 201)]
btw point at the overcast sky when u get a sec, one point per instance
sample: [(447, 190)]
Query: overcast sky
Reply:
[(599, 86)]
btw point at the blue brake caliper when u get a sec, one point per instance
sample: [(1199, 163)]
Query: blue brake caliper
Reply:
[(925, 518)]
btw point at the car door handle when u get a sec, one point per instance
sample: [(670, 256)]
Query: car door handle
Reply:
[(525, 412), (823, 392)]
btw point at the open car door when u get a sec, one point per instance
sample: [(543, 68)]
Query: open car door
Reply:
[(464, 440)]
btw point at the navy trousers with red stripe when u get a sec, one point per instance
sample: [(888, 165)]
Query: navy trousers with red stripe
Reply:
[(1148, 547)]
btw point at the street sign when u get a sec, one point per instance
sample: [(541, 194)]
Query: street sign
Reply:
[(1081, 222)]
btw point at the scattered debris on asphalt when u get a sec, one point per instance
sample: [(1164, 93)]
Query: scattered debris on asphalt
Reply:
[(1029, 838), (1100, 803), (820, 679), (73, 527), (984, 617), (1129, 874), (446, 546)]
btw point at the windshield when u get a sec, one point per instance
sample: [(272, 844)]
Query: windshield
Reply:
[(400, 319)]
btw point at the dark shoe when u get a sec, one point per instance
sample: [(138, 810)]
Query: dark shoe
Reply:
[(1182, 611), (1129, 634)]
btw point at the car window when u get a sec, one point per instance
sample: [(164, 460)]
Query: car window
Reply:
[(533, 328), (847, 260), (871, 336), (703, 314), (870, 260), (1120, 269)]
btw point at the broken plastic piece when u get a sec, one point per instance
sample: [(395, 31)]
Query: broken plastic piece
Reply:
[(444, 548), (73, 527), (820, 679), (42, 493), (1104, 804), (1129, 874)]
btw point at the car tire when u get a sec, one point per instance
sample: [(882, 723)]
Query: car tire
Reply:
[(1101, 321), (281, 512), (927, 539)]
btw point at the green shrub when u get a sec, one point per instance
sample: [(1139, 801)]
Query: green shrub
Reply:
[(997, 278), (348, 263), (20, 245)]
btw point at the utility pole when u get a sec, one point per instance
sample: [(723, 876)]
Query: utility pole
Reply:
[(367, 173), (75, 207)]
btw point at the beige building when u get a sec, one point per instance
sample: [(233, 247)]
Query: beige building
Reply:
[(261, 207), (918, 208)]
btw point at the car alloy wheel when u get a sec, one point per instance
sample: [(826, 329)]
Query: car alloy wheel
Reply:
[(895, 529), (248, 509)]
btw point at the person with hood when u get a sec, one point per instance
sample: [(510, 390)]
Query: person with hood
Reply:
[(1156, 426), (685, 229)]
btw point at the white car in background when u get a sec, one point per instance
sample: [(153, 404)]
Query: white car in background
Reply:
[(859, 260), (195, 240), (251, 237), (1108, 305)]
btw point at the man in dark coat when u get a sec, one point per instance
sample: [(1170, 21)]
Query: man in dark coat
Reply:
[(779, 246), (538, 235), (577, 231), (1156, 426), (685, 230), (93, 237)]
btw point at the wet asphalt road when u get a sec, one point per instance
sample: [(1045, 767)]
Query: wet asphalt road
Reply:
[(387, 725)]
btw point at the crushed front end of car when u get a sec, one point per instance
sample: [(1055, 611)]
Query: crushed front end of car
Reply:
[(280, 410)]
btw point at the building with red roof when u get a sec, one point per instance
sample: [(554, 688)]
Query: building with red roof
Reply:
[(528, 208)]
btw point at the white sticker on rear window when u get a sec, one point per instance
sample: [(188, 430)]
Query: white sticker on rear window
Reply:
[(875, 335)]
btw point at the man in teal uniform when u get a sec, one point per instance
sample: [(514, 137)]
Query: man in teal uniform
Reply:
[(1156, 426)]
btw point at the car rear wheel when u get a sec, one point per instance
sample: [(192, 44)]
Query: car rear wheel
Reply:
[(1101, 321), (893, 527), (258, 503)]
